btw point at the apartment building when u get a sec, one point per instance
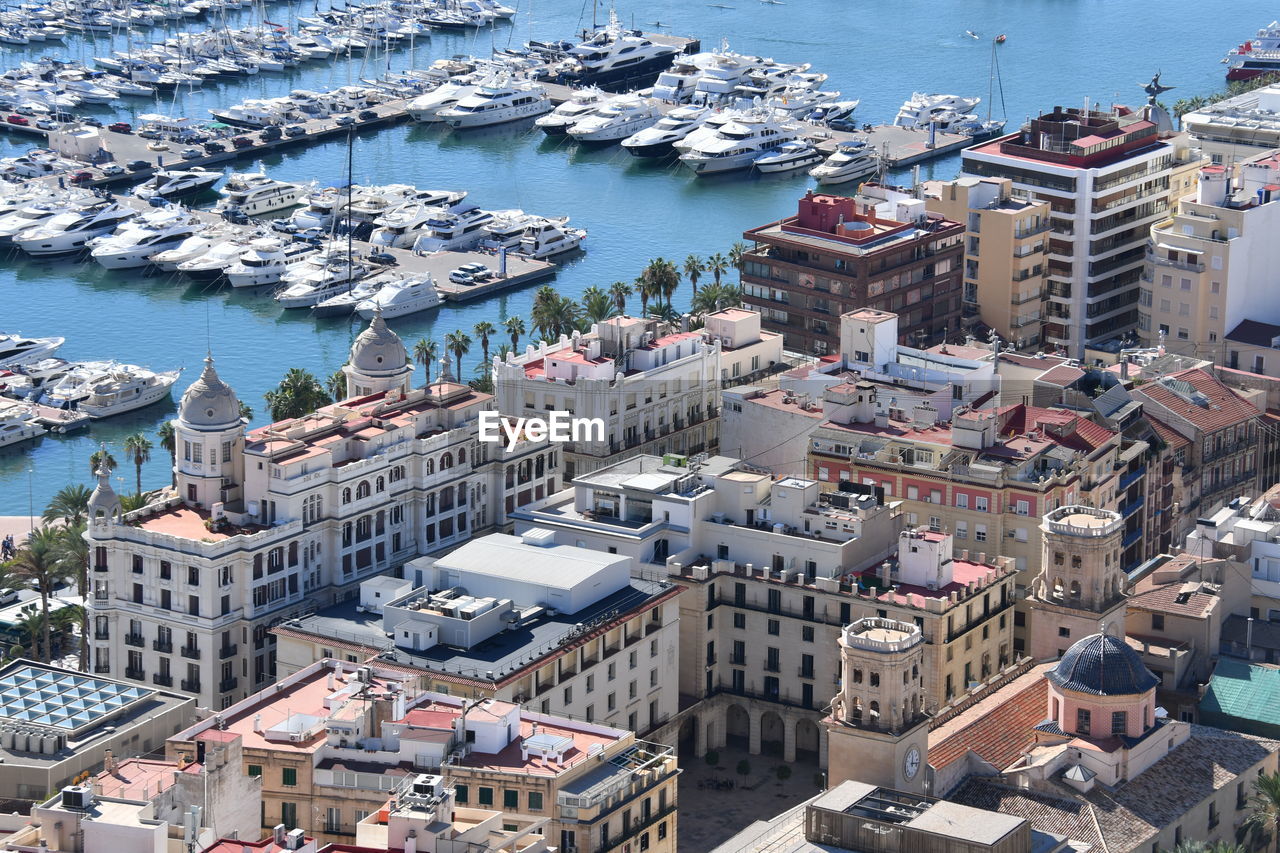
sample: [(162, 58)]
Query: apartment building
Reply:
[(1005, 239), (332, 742), (562, 628), (880, 250), (654, 389), (1209, 268), (1246, 532), (1237, 128), (290, 517), (746, 352), (1106, 177), (1221, 458), (769, 426)]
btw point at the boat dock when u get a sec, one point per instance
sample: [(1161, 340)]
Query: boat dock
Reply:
[(58, 420)]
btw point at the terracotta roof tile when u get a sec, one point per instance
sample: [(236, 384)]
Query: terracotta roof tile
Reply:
[(1000, 736), (1168, 434), (1225, 408)]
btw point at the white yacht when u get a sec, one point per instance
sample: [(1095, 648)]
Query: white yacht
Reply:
[(922, 109), (616, 120), (253, 193), (581, 104), (33, 214), (709, 128), (18, 423), (550, 237), (15, 349), (68, 232), (218, 258), (401, 296), (373, 202), (190, 248), (612, 54), (737, 144), (77, 385), (322, 206), (498, 102), (400, 228), (345, 302), (175, 183), (660, 139), (126, 388), (134, 243), (788, 157), (265, 262), (677, 83), (453, 231), (851, 160), (24, 381), (427, 107), (327, 273)]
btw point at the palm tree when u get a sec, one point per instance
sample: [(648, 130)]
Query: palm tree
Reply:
[(128, 503), (713, 297), (299, 393), (426, 352), (169, 441), (246, 411), (37, 563), (101, 457), (596, 304), (736, 251), (66, 620), (515, 329), (717, 264), (457, 344), (619, 292), (70, 505), (693, 270), (644, 289), (660, 278), (336, 385), (664, 312), (138, 448), (73, 561), (483, 330), (1262, 825), (29, 628), (550, 313)]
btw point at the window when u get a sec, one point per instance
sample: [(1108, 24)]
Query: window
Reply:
[(980, 533), (255, 769), (289, 814), (289, 777), (460, 793), (486, 796), (980, 504), (1064, 631), (535, 801), (1157, 621), (775, 627), (510, 799), (1119, 722), (806, 633), (1082, 721), (961, 500), (740, 620)]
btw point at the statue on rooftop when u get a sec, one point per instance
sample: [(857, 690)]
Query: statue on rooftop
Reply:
[(1154, 89)]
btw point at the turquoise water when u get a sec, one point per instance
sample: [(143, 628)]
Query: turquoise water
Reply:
[(1058, 52)]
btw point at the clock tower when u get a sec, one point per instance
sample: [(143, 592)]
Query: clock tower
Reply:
[(877, 730)]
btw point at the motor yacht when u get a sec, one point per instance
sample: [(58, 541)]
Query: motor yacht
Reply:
[(265, 262), (660, 139), (612, 55), (788, 157), (218, 258), (836, 114), (498, 102), (737, 144), (18, 424), (70, 231), (615, 120), (135, 242), (16, 349), (124, 389), (708, 129), (24, 381), (253, 193), (427, 107), (322, 207), (400, 228), (327, 273), (581, 104), (344, 303), (453, 231), (851, 160), (35, 213), (401, 296), (550, 237), (373, 202), (176, 183), (189, 249), (921, 110)]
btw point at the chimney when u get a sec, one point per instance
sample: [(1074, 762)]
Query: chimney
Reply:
[(257, 723), (109, 761)]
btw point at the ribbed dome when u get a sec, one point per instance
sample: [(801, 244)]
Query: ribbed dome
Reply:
[(378, 349), (1103, 666), (209, 402), (104, 501)]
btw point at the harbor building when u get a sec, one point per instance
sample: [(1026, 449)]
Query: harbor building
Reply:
[(524, 619), (1006, 234), (276, 522), (1209, 267), (769, 424), (654, 390), (332, 742), (882, 249), (1106, 176), (57, 725)]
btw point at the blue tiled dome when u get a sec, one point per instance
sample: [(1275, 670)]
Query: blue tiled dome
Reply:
[(1104, 666)]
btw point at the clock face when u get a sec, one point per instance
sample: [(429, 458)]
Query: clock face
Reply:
[(911, 763)]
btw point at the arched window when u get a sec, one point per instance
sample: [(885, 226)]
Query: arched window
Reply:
[(511, 477), (431, 466), (857, 709), (346, 496), (857, 676), (446, 500), (539, 466), (362, 490), (346, 535), (462, 455), (446, 462), (379, 485), (363, 528), (462, 495), (874, 708), (1075, 589), (430, 504)]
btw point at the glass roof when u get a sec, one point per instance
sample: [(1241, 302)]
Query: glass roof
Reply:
[(68, 700)]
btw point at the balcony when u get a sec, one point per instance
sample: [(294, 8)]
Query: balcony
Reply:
[(1029, 296), (1162, 261), (227, 651), (165, 646), (135, 674), (1131, 538), (738, 660), (192, 652), (162, 679), (228, 684), (1130, 477), (101, 635), (191, 686), (134, 640), (1128, 509)]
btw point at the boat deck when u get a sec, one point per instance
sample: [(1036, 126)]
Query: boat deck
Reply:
[(59, 420)]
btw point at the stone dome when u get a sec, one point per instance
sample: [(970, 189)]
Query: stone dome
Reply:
[(209, 403), (1102, 665), (104, 502), (378, 350)]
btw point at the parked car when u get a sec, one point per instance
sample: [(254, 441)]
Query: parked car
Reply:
[(241, 142), (138, 165), (120, 127), (343, 121), (192, 153), (295, 130), (460, 277), (367, 115), (21, 121), (81, 178), (212, 147), (46, 124), (270, 134), (383, 258), (111, 170), (151, 133), (8, 596), (88, 121), (475, 269)]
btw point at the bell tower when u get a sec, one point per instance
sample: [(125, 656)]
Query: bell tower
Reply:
[(209, 443), (878, 732), (1080, 590)]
